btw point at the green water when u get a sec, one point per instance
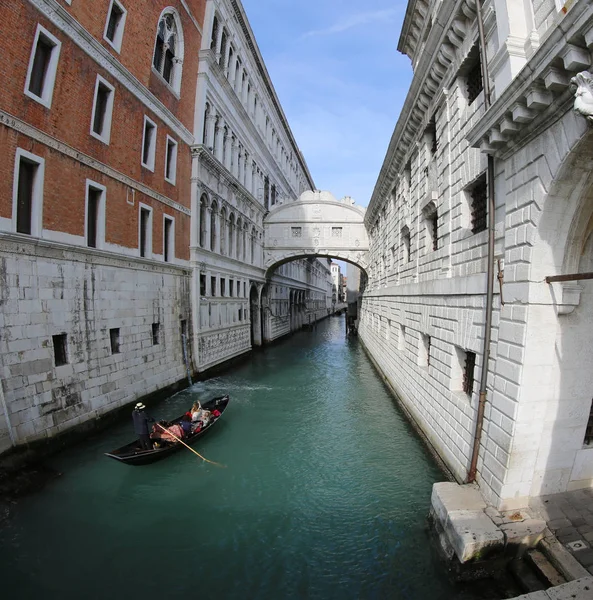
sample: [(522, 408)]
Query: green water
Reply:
[(324, 495)]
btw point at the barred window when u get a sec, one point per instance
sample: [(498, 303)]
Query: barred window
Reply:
[(468, 373), (297, 232), (479, 205), (474, 80), (337, 232)]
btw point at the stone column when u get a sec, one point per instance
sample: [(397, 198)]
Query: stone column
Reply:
[(219, 146), (249, 174), (234, 157), (207, 237), (238, 79), (219, 41), (217, 234), (240, 163), (227, 151), (233, 70)]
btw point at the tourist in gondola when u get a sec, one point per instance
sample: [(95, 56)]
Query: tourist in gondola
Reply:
[(141, 420)]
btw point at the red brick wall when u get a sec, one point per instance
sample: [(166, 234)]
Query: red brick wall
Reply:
[(69, 118)]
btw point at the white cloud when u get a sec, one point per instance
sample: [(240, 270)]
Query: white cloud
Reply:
[(355, 21)]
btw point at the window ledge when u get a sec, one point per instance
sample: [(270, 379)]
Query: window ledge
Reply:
[(169, 86)]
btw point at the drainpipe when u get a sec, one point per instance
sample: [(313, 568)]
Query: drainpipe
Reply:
[(471, 475)]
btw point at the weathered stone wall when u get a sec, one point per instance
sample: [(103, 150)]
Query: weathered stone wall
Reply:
[(49, 289), (545, 13)]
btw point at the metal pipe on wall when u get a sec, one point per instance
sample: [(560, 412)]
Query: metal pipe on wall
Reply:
[(471, 475)]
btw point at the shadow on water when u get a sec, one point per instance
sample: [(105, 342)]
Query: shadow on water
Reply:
[(325, 495)]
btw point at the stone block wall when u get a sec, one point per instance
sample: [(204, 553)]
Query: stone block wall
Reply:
[(50, 290)]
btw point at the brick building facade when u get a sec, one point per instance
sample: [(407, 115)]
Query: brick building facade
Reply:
[(96, 123)]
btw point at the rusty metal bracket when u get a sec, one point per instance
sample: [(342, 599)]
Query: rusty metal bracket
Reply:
[(500, 278)]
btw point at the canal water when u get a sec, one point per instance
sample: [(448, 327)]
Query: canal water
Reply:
[(324, 495)]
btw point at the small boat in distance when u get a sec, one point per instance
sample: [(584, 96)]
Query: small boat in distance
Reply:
[(132, 454)]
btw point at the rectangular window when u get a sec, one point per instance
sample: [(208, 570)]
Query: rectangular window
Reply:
[(223, 286), (231, 286), (171, 161), (479, 205), (589, 429), (156, 327), (202, 284), (148, 143), (297, 232), (468, 373), (102, 110), (114, 27), (169, 239), (213, 286), (239, 314), (27, 172), (95, 215), (60, 349), (145, 232), (407, 245), (28, 193), (43, 64), (474, 80), (114, 340), (432, 229), (244, 289)]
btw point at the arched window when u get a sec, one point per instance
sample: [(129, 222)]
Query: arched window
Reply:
[(231, 232), (244, 241), (205, 131), (203, 213), (168, 50), (239, 234), (213, 217), (214, 38), (223, 45)]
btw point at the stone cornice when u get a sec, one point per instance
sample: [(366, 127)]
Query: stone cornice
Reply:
[(66, 23), (24, 245), (539, 94), (33, 133), (267, 81), (452, 25)]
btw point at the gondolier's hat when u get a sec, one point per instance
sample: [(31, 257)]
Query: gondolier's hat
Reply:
[(139, 406)]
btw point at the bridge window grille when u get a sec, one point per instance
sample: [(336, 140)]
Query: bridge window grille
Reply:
[(297, 232), (468, 373), (474, 80), (337, 232), (479, 205), (589, 430)]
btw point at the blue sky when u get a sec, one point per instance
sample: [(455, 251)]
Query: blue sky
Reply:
[(341, 81)]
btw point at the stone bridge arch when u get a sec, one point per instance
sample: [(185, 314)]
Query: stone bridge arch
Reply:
[(316, 225)]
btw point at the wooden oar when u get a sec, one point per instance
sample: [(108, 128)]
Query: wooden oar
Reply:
[(190, 448)]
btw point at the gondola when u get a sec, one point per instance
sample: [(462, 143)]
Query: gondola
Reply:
[(131, 454)]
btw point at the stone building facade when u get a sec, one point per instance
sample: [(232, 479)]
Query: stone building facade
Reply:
[(245, 163), (424, 308), (96, 120)]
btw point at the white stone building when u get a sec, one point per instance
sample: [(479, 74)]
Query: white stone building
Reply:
[(424, 309), (245, 163)]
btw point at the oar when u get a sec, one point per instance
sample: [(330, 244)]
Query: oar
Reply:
[(190, 448)]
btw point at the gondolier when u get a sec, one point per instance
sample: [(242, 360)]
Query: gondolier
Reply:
[(141, 420)]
